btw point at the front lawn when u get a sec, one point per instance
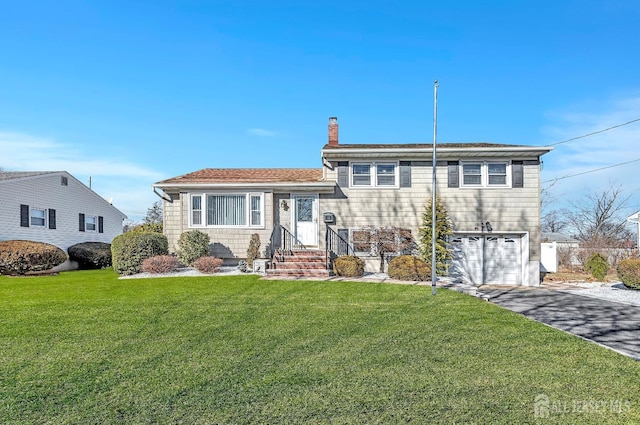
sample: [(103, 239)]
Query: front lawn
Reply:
[(85, 347)]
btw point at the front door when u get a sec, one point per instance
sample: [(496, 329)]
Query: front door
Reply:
[(305, 219)]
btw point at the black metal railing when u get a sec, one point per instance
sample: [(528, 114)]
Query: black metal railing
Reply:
[(335, 246), (282, 242)]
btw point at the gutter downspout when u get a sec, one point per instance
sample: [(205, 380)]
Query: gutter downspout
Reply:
[(162, 195)]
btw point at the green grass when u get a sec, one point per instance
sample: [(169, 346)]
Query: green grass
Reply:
[(85, 347)]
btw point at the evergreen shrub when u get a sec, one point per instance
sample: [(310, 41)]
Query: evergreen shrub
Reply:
[(348, 266), (130, 249), (408, 267), (21, 257)]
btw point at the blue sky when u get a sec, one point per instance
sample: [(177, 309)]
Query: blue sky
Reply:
[(134, 92)]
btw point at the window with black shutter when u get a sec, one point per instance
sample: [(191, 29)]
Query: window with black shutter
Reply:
[(517, 174), (343, 173), (100, 224), (405, 173), (81, 222), (24, 215), (52, 218), (453, 179)]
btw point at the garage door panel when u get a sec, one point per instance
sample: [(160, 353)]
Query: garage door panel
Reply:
[(489, 259)]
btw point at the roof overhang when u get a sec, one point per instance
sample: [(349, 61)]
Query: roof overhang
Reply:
[(316, 187), (634, 218), (443, 152)]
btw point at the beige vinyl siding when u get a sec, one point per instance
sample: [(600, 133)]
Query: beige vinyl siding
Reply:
[(508, 209), (231, 243)]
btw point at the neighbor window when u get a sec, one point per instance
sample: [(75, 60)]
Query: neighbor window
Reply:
[(384, 174), (91, 223), (227, 210), (485, 174), (38, 217)]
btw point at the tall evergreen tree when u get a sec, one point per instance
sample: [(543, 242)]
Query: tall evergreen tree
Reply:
[(444, 228)]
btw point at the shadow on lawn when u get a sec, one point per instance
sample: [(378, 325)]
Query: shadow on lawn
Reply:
[(611, 324)]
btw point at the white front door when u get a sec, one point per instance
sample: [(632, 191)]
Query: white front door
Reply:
[(305, 219)]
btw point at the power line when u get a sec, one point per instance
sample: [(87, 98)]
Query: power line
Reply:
[(591, 171), (595, 132)]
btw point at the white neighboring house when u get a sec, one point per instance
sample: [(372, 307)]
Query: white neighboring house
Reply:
[(56, 208), (635, 218)]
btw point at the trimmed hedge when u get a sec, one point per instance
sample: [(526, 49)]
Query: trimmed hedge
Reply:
[(348, 266), (629, 272), (130, 249), (91, 255), (160, 264), (147, 228), (21, 257), (208, 264), (408, 267), (192, 245)]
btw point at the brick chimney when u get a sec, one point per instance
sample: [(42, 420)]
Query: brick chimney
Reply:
[(333, 131)]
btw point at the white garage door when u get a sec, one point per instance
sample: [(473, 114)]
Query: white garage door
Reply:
[(488, 259)]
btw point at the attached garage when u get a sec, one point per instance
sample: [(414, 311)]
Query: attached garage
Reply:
[(487, 259)]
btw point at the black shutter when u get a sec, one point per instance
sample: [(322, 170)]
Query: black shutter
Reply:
[(517, 174), (100, 224), (81, 222), (52, 218), (452, 174), (343, 173), (24, 215), (405, 173)]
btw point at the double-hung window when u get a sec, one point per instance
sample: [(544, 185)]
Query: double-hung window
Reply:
[(91, 223), (227, 210), (485, 174), (374, 174), (38, 217)]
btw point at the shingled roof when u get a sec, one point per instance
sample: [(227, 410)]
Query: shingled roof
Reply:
[(420, 146), (248, 175)]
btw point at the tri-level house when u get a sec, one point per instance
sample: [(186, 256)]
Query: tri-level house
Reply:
[(491, 193)]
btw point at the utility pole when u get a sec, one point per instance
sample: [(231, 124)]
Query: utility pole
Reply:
[(433, 189)]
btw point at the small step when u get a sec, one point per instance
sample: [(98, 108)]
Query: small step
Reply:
[(298, 272), (315, 265)]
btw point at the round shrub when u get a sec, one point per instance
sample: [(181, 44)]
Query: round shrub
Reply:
[(160, 264), (243, 266), (597, 265), (348, 266), (129, 250), (91, 255), (21, 257), (408, 267), (629, 272), (192, 245), (208, 264)]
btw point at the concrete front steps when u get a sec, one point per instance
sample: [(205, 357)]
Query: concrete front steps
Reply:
[(300, 263)]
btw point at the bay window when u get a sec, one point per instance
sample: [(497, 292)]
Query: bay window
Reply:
[(227, 210)]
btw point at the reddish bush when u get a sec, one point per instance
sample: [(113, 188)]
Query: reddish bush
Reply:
[(208, 264), (160, 264), (20, 257)]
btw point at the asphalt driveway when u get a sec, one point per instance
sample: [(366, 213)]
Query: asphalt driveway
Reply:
[(611, 324)]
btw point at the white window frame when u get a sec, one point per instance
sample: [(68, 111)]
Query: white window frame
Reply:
[(484, 174), (373, 175), (248, 216), (86, 223), (43, 218)]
